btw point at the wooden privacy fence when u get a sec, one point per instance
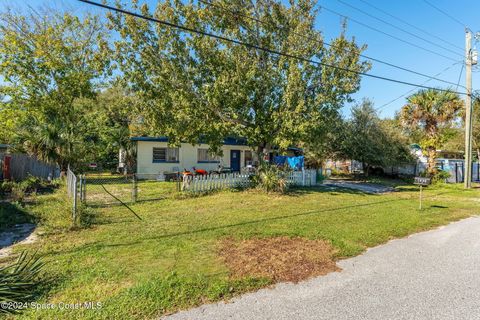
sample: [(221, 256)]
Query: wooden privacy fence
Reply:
[(306, 178), (22, 165)]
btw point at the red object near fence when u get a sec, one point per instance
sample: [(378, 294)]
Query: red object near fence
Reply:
[(6, 167), (201, 172)]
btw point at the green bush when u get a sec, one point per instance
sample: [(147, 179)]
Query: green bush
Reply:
[(19, 281), (6, 187), (340, 173), (270, 178), (31, 184), (440, 176)]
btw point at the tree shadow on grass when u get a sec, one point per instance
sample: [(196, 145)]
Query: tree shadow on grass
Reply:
[(332, 190), (12, 214), (99, 245)]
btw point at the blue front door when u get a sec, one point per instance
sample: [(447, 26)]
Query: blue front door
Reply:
[(235, 160)]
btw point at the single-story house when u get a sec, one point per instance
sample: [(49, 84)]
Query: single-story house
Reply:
[(155, 156)]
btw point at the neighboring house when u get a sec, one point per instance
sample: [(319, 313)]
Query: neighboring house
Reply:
[(447, 154), (155, 156)]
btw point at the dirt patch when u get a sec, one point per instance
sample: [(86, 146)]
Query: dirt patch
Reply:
[(280, 259), (20, 233)]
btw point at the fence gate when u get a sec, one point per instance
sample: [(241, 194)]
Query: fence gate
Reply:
[(103, 190), (106, 190)]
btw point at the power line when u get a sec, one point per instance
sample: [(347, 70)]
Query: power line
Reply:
[(253, 46), (410, 91), (411, 25), (460, 76), (236, 13), (444, 13), (398, 28), (387, 34)]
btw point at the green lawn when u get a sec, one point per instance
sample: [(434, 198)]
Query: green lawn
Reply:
[(168, 261)]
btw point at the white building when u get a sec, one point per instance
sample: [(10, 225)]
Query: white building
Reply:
[(155, 157)]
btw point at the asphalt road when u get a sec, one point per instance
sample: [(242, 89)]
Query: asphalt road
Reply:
[(429, 275)]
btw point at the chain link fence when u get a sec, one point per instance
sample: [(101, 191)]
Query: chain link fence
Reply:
[(73, 192), (105, 190)]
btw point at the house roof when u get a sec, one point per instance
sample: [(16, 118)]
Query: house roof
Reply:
[(228, 141), (231, 141)]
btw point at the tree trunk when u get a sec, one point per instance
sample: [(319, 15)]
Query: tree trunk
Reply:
[(366, 169), (260, 154), (431, 161)]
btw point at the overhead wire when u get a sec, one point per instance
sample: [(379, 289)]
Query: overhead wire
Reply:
[(445, 13), (253, 46), (411, 25), (399, 28), (387, 34), (412, 90), (236, 13)]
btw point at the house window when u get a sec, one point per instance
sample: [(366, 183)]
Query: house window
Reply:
[(204, 156), (248, 158), (165, 154)]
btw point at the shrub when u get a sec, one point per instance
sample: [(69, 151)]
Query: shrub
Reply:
[(270, 178), (19, 280), (440, 176), (6, 187), (340, 173), (31, 184)]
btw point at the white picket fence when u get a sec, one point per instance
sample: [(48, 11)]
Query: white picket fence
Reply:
[(215, 182), (306, 178)]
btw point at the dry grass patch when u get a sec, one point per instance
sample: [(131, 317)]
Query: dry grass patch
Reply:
[(280, 259)]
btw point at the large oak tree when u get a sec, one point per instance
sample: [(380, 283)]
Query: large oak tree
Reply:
[(196, 87)]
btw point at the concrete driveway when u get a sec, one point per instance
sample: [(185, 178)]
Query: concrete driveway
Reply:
[(429, 275)]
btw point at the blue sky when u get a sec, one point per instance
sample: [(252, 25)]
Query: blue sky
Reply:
[(381, 46)]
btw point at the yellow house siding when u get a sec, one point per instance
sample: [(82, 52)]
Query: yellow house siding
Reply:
[(187, 157)]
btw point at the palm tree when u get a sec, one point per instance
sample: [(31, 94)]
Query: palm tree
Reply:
[(430, 111)]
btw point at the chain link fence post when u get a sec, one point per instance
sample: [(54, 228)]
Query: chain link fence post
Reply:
[(75, 191), (84, 189), (81, 187), (179, 183), (134, 188)]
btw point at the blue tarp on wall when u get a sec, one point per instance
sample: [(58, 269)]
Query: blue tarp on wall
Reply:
[(293, 162)]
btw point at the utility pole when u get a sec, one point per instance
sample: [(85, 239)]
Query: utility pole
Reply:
[(468, 110)]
